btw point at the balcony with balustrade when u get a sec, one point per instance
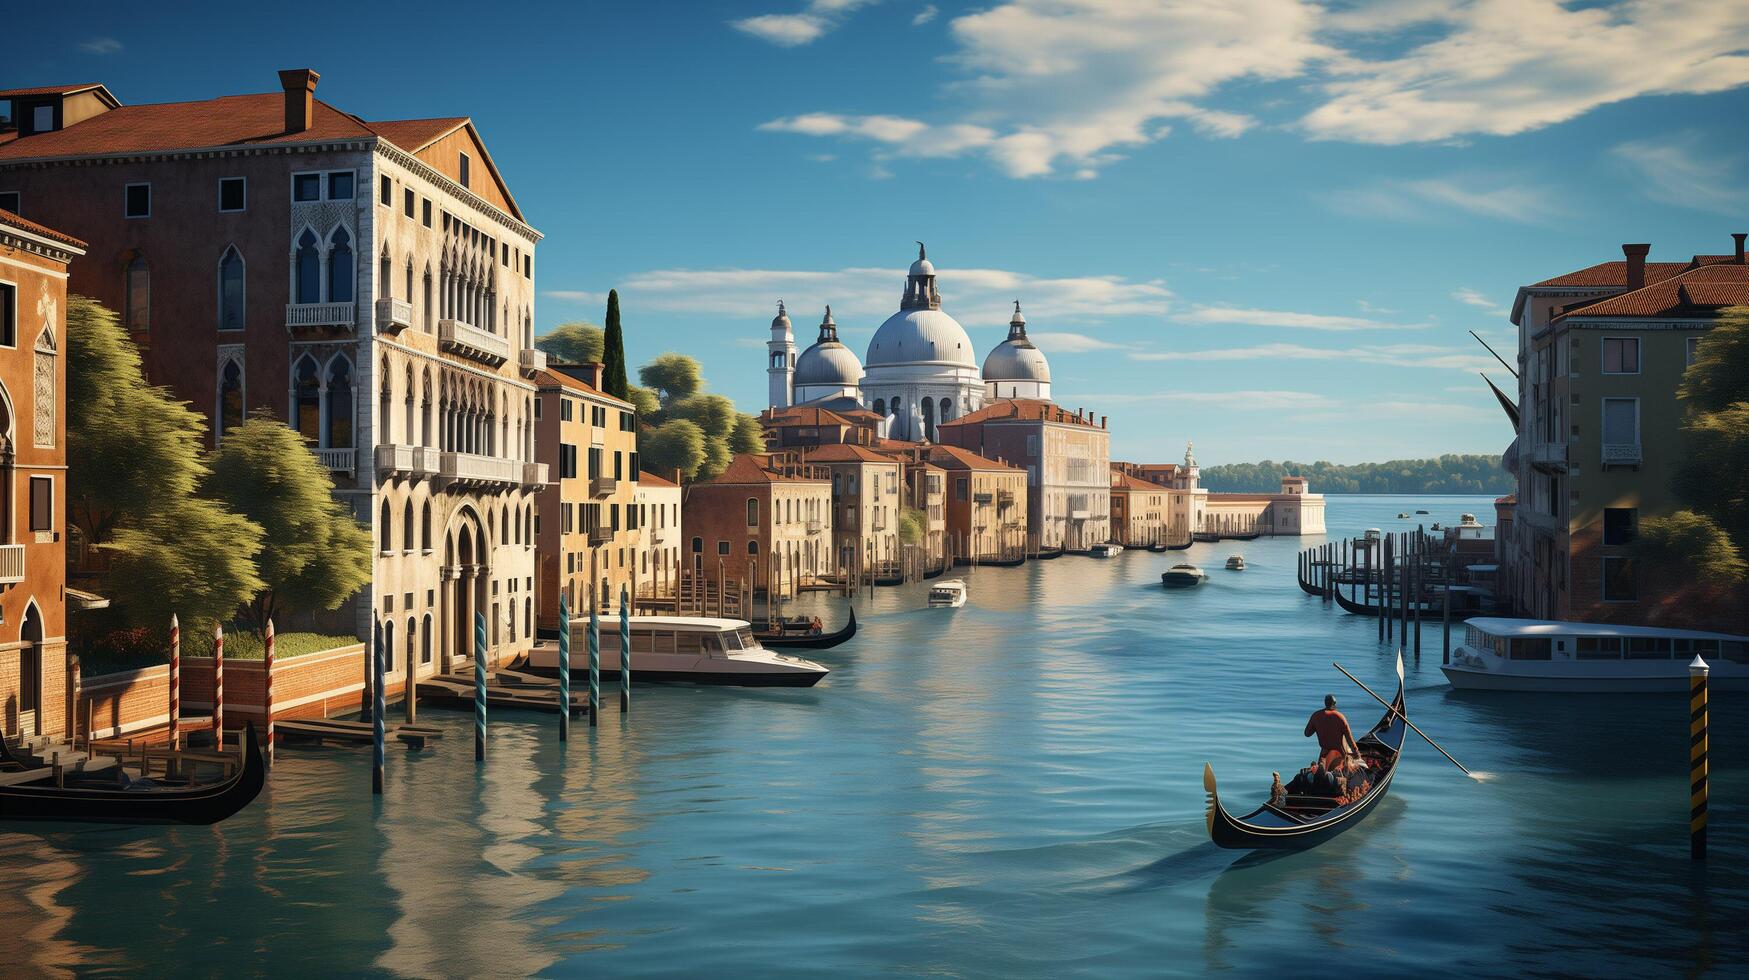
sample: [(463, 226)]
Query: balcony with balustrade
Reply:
[(398, 459), (1550, 457), (393, 315), (1621, 454), (600, 535), (813, 527), (532, 361), (469, 341), (534, 475), (338, 460), (475, 469), (603, 486), (11, 564), (307, 316)]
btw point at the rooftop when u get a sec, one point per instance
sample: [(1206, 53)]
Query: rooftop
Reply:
[(43, 231), (955, 458), (648, 479), (1023, 409), (548, 378), (844, 453), (749, 468), (1698, 293)]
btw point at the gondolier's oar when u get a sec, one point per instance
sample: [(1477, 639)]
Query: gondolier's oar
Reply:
[(1399, 714)]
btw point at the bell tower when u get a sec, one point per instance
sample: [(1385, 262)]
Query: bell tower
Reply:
[(780, 359)]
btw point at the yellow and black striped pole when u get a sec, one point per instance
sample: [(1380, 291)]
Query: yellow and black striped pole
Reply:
[(1697, 671)]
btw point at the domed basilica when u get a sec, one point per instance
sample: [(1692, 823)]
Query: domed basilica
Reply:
[(921, 367)]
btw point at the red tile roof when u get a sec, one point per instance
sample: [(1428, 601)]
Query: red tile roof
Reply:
[(648, 479), (25, 93), (23, 224), (955, 458), (1700, 292), (757, 468), (1025, 409), (414, 135), (549, 378), (802, 415), (233, 120), (1124, 481), (839, 452), (1605, 274)]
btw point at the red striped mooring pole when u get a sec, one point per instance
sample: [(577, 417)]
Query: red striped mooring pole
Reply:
[(267, 691), (219, 688)]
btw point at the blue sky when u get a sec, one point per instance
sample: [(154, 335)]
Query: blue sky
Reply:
[(1265, 225)]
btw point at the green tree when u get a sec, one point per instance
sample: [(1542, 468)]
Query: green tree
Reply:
[(1450, 473), (674, 445), (911, 525), (574, 342), (1686, 545), (748, 437), (613, 351), (314, 555), (644, 400), (673, 377), (714, 414), (191, 557)]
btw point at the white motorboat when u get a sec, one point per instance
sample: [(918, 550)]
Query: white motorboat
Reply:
[(1236, 563), (695, 650), (1500, 654), (950, 593), (1182, 577), (1106, 549)]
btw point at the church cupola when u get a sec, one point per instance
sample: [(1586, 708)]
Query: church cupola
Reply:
[(1017, 326), (828, 329), (780, 363), (920, 292)]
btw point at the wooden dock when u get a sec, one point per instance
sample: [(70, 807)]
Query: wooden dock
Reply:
[(505, 689), (323, 730)]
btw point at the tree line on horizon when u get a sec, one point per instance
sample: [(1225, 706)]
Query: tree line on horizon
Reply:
[(1453, 473)]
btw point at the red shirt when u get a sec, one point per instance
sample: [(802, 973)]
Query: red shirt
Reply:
[(1330, 726)]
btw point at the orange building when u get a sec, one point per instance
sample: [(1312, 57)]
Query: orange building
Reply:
[(34, 684), (985, 504), (765, 517)]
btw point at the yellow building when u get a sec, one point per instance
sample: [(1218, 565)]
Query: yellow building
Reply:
[(587, 525)]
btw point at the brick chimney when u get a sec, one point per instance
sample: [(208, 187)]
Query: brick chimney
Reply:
[(300, 96), (1636, 255), (1738, 237)]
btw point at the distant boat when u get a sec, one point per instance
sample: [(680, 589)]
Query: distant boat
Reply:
[(1183, 577), (1500, 654), (1236, 563), (1403, 516), (1106, 549), (950, 593), (1420, 512)]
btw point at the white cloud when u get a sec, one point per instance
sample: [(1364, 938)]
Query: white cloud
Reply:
[(1675, 170), (862, 297), (1419, 199), (1066, 87), (1057, 342), (1471, 297), (1286, 318), (924, 16), (1243, 401), (1387, 355), (574, 296), (100, 45), (794, 30)]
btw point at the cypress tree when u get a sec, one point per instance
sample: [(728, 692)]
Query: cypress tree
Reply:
[(613, 351)]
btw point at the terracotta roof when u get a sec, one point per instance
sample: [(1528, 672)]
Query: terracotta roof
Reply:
[(1124, 481), (756, 468), (1605, 274), (24, 93), (24, 224), (648, 479), (1022, 409), (955, 458), (1293, 479), (233, 120), (548, 378), (1697, 293), (802, 415), (414, 135), (845, 453)]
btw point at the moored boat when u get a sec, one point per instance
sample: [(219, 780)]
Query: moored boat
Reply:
[(1235, 563), (1180, 547), (1301, 820), (1551, 656), (694, 650), (143, 801), (950, 593), (1106, 549), (1182, 576)]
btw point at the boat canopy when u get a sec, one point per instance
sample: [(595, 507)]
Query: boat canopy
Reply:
[(1501, 626)]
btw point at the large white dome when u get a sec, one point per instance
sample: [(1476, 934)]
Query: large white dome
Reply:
[(828, 363), (920, 336)]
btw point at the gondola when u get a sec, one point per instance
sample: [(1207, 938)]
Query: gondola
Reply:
[(1252, 536), (1306, 585), (1048, 555), (1181, 547), (997, 562), (1159, 549), (1358, 608), (1302, 821), (937, 573), (823, 641), (207, 803), (13, 763)]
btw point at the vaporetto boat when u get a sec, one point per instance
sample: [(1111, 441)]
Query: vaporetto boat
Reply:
[(1500, 654), (696, 650)]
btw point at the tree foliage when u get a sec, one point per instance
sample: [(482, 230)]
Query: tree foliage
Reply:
[(713, 414), (673, 445), (573, 342), (613, 351), (911, 525), (1687, 545), (317, 555), (673, 377), (748, 436), (191, 557), (1451, 473)]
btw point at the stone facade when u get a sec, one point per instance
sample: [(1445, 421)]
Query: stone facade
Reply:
[(589, 531), (659, 536), (985, 505), (1067, 459), (767, 518), (865, 505)]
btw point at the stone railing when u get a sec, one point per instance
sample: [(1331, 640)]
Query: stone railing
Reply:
[(471, 468), (412, 460), (534, 474), (602, 486), (11, 564), (532, 360), (1621, 453), (472, 342), (338, 460), (320, 315), (814, 527), (394, 315)]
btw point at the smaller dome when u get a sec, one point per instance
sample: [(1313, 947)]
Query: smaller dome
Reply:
[(781, 321), (922, 267), (828, 362), (1017, 358)]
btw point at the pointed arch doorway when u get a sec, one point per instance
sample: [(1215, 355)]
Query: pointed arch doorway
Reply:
[(466, 570)]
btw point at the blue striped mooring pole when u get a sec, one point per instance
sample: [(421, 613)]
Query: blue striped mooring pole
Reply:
[(594, 663), (479, 686), (564, 668), (376, 712), (625, 652)]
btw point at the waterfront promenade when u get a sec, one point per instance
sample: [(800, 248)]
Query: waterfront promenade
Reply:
[(1012, 788)]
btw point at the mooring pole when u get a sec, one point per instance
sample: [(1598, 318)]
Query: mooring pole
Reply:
[(219, 688), (377, 710), (1697, 764), (1387, 586), (594, 663), (1445, 613), (175, 689), (625, 654), (267, 691), (1420, 582), (479, 687), (564, 668)]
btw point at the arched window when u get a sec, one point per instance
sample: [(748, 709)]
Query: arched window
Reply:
[(527, 618), (407, 527), (504, 526), (231, 290), (230, 397), (425, 641), (386, 418), (698, 546), (425, 527), (138, 317), (752, 547), (412, 631), (427, 304), (880, 406), (946, 409), (388, 646), (309, 268), (752, 512), (411, 428), (339, 430), (307, 394), (409, 279), (385, 273), (386, 530), (340, 267), (425, 410), (928, 419)]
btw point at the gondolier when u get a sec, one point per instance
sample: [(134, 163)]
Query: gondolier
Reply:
[(1335, 739)]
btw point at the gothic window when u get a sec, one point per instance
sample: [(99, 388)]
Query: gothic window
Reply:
[(340, 267), (230, 397), (309, 268), (427, 298), (409, 280), (880, 406), (43, 421), (946, 409), (425, 641), (385, 280), (307, 400), (339, 395), (407, 527), (385, 416), (139, 299), (386, 528), (231, 290), (411, 428), (425, 526)]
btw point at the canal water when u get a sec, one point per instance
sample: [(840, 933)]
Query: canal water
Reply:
[(1008, 789)]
